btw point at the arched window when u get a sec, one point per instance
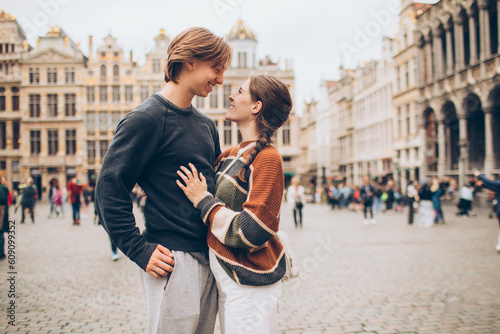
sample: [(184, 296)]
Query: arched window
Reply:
[(103, 72), (116, 73)]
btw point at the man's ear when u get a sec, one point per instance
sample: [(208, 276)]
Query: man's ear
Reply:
[(257, 107), (189, 65)]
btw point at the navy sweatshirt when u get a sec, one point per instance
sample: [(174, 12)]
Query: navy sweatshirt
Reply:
[(149, 146)]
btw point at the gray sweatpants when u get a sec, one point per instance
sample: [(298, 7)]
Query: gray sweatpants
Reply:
[(185, 301)]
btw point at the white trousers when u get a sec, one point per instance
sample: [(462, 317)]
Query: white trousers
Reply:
[(245, 309)]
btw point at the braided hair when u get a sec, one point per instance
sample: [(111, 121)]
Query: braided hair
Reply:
[(276, 106)]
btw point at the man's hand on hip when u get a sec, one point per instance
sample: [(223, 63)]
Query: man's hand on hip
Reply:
[(161, 262)]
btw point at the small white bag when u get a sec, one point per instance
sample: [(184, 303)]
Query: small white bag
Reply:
[(292, 266)]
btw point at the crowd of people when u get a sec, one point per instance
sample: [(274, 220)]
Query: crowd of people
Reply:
[(423, 199)]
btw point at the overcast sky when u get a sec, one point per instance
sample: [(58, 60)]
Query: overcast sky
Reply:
[(317, 35)]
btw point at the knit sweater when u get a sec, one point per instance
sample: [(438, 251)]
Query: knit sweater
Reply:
[(244, 216)]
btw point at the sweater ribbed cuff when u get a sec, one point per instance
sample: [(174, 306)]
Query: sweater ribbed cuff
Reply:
[(205, 203), (198, 199)]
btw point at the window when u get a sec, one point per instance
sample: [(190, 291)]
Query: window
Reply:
[(52, 75), (286, 133), (90, 94), (103, 94), (53, 141), (400, 123), (116, 93), (15, 102), (242, 59), (70, 142), (213, 98), (3, 105), (52, 105), (34, 76), (408, 125), (103, 120), (399, 77), (3, 165), (70, 104), (3, 136), (407, 74), (91, 150), (227, 93), (16, 165), (144, 93), (90, 120), (156, 66), (103, 147), (16, 135), (115, 118), (128, 93), (34, 105), (200, 102), (116, 73), (35, 146), (103, 72), (227, 133)]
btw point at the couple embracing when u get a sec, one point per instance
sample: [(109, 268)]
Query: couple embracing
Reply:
[(211, 218)]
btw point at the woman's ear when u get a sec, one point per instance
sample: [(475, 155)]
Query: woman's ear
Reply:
[(257, 107), (189, 65)]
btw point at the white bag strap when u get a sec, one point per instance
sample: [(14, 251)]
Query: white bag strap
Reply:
[(240, 152)]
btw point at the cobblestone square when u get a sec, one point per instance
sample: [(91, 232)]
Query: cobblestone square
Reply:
[(384, 278)]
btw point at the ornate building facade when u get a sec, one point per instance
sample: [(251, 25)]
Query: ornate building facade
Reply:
[(459, 88), (13, 48), (51, 108), (406, 127)]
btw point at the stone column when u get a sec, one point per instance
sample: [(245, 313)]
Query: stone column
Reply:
[(472, 39), (498, 11), (464, 150), (484, 25), (459, 43), (428, 56), (442, 149), (9, 136), (489, 159), (422, 151), (449, 49), (438, 54)]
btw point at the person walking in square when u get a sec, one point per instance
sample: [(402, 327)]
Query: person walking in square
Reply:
[(75, 195), (28, 200), (295, 195), (149, 145), (246, 257), (367, 195), (411, 200), (5, 198)]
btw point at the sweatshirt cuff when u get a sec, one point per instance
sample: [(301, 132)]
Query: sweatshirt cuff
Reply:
[(205, 203), (143, 259)]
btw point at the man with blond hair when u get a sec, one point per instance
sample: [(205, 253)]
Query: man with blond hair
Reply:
[(149, 145)]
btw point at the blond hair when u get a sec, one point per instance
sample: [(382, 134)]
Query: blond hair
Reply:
[(196, 44)]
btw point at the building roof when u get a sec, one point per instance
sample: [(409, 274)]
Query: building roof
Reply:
[(331, 84), (241, 31), (6, 16), (420, 8)]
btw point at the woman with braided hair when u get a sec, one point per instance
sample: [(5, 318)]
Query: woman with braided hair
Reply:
[(246, 258)]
